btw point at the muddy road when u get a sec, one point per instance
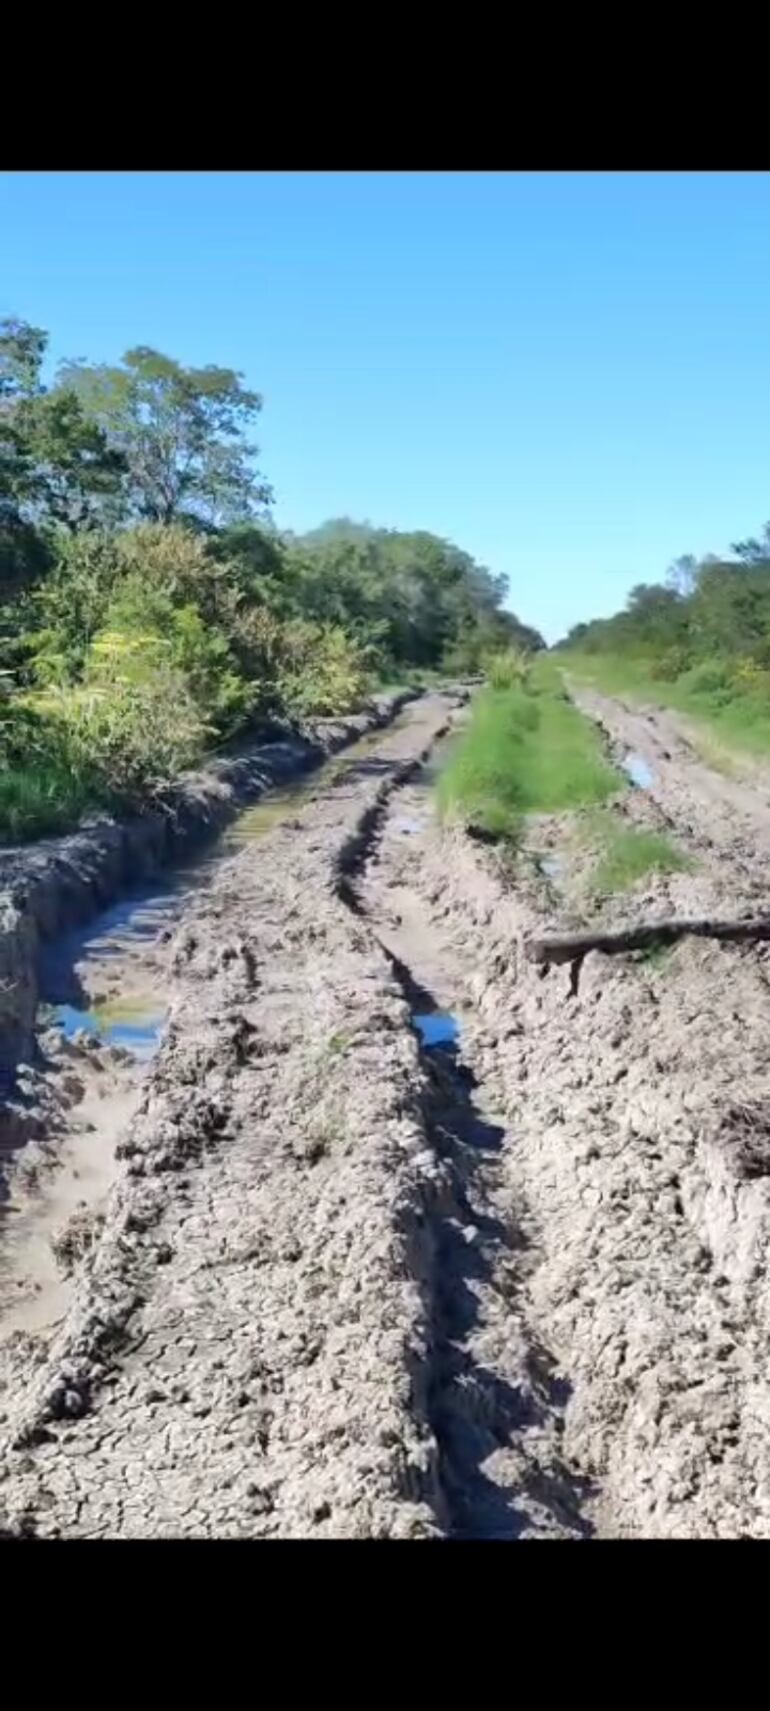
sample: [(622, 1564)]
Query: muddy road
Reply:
[(401, 1235)]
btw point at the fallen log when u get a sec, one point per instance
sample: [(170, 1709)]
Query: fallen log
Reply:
[(570, 948)]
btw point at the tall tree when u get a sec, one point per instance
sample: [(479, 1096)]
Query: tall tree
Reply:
[(182, 432), (55, 463)]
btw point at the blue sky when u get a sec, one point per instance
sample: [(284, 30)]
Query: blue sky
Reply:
[(568, 374)]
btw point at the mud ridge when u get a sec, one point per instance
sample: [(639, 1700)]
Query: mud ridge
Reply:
[(496, 1395)]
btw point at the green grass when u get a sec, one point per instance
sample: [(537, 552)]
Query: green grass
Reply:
[(526, 749), (40, 800), (655, 956), (734, 716), (628, 854)]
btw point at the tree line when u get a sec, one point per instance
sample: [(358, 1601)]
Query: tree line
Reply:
[(149, 609), (706, 625)]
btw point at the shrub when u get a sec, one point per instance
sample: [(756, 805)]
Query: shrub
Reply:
[(507, 669), (41, 791), (322, 670), (711, 677), (669, 665), (132, 737)]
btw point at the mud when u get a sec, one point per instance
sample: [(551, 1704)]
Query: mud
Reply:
[(50, 886), (722, 822), (246, 1347), (407, 1237)]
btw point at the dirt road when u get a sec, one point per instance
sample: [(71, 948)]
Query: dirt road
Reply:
[(409, 1237)]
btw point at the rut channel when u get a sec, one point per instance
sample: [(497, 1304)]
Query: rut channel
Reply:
[(497, 1396)]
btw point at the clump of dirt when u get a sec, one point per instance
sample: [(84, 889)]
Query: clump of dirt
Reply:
[(75, 1238), (743, 1129)]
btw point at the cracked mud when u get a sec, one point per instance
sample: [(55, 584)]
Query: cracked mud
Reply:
[(401, 1236)]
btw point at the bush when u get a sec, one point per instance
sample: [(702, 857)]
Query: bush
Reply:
[(145, 629), (124, 739), (322, 670), (136, 736), (670, 665), (41, 791), (711, 677), (507, 669)]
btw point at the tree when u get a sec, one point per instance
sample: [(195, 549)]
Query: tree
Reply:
[(181, 432), (681, 576), (754, 550), (55, 463)]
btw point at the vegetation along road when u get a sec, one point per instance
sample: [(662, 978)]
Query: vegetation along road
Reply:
[(394, 1163)]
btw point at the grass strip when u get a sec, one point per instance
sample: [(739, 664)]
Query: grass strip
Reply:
[(525, 750)]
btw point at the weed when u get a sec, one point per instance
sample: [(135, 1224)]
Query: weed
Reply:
[(627, 854), (338, 1042), (655, 956)]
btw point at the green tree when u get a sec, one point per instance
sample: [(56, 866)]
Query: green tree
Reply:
[(182, 432), (56, 466)]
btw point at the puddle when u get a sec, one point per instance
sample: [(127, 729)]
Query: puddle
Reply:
[(638, 771), (407, 824), (134, 1024), (437, 1027), (105, 977)]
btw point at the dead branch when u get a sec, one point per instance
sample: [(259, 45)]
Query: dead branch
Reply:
[(570, 948)]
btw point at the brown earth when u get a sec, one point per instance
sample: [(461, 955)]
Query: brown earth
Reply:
[(350, 1285)]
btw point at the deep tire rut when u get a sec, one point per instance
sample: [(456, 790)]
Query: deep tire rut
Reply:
[(496, 1394)]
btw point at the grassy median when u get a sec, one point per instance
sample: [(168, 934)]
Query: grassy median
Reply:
[(526, 750)]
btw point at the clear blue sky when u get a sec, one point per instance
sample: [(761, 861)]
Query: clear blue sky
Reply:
[(568, 374)]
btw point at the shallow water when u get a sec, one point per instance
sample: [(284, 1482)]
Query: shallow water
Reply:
[(134, 1024), (638, 771), (114, 949), (437, 1027)]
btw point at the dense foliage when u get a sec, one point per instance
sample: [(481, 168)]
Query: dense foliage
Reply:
[(705, 628), (148, 607)]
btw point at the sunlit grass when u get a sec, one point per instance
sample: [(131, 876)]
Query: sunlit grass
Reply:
[(40, 800), (630, 853), (737, 718), (525, 750)]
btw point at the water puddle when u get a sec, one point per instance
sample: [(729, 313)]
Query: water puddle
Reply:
[(106, 978), (437, 1027), (408, 824), (638, 771), (133, 1023)]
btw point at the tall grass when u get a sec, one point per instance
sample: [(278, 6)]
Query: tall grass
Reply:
[(526, 749), (38, 800)]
